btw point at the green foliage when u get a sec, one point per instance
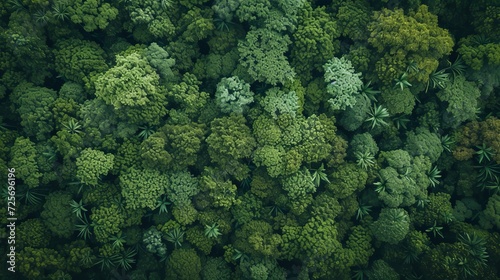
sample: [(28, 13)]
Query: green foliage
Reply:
[(187, 95), (392, 225), (376, 116), (353, 117), (404, 180), (181, 188), (262, 55), (34, 105), (222, 192), (314, 41), (478, 51), (152, 18), (461, 97), (159, 59), (107, 221), (23, 155), (132, 88), (77, 208), (212, 231), (381, 270), (142, 187), (229, 141), (32, 233), (347, 179), (277, 102), (398, 101), (343, 83), (401, 38), (233, 94), (492, 210), (36, 262), (216, 269), (153, 153), (436, 210), (79, 60), (92, 14), (57, 215), (175, 236), (258, 239), (153, 242), (91, 164), (423, 142), (183, 264)]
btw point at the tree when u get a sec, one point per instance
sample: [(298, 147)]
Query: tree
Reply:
[(183, 264), (392, 225), (403, 179), (107, 221), (92, 14), (347, 179), (262, 54), (25, 55), (57, 215), (343, 83), (460, 98), (314, 42), (277, 102), (353, 18), (492, 210), (401, 39), (154, 19), (479, 51), (229, 141), (34, 105), (91, 164), (423, 142), (136, 193), (184, 142), (232, 95), (80, 61), (132, 88), (23, 155), (221, 191), (160, 59), (258, 239), (187, 96)]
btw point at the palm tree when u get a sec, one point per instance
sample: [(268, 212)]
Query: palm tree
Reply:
[(484, 152), (447, 142), (402, 81), (84, 228), (376, 116), (118, 240), (145, 132), (437, 80), (162, 204), (363, 210), (73, 127), (319, 175), (175, 236), (60, 11), (435, 229), (125, 259), (212, 231), (366, 160), (77, 208), (434, 176)]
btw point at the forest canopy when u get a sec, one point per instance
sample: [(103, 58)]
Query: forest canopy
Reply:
[(259, 139)]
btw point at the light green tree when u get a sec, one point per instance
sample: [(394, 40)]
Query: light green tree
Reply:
[(132, 88), (91, 164), (343, 83)]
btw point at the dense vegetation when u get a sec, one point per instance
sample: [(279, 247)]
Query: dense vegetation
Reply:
[(259, 139)]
